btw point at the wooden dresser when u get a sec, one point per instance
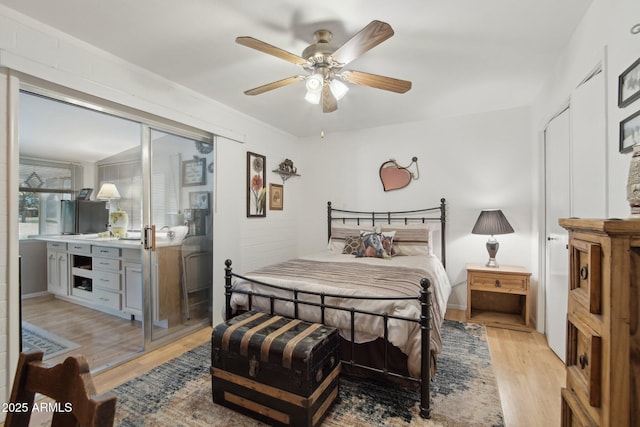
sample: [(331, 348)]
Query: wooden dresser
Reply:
[(603, 341)]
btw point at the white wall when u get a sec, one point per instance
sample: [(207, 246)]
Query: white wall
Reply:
[(603, 35), (475, 162)]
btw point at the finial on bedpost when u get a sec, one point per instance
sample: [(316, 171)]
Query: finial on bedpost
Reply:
[(227, 289), (425, 366)]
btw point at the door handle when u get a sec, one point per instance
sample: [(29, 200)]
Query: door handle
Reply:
[(150, 238)]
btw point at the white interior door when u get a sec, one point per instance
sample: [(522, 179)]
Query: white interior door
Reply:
[(557, 205), (588, 149)]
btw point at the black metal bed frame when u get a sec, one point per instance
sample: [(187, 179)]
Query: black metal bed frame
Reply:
[(424, 298)]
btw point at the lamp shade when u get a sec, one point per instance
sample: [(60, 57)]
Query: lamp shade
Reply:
[(491, 222), (108, 191)]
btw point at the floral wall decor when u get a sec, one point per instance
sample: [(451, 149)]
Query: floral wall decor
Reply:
[(256, 186)]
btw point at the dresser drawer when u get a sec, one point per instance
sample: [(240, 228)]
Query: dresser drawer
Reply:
[(573, 413), (110, 264), (502, 282), (585, 274), (107, 299), (584, 359), (107, 280)]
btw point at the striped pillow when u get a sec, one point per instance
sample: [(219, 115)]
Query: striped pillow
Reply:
[(411, 239)]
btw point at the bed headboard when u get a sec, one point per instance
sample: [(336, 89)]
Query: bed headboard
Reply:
[(435, 215)]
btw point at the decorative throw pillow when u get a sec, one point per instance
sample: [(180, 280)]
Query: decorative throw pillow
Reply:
[(351, 245), (378, 245)]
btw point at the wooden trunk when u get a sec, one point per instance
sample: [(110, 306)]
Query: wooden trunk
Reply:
[(279, 370)]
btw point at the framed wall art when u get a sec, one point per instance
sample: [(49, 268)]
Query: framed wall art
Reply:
[(256, 190), (629, 132), (199, 200), (194, 172), (276, 197), (629, 85)]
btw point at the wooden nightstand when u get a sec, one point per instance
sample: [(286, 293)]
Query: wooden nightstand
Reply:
[(498, 296)]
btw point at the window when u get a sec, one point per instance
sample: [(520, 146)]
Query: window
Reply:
[(127, 176), (43, 184)]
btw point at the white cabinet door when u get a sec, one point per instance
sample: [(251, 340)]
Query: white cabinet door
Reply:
[(133, 288), (57, 272)]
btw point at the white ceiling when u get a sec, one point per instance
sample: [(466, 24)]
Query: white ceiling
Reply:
[(463, 56)]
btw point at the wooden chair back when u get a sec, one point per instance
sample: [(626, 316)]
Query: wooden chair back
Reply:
[(71, 387)]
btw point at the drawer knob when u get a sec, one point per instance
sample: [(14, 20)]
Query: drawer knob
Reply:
[(498, 284), (584, 272), (583, 360)]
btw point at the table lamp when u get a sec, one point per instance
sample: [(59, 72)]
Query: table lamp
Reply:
[(492, 222), (118, 219)]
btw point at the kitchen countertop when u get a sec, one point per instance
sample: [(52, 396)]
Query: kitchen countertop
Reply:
[(133, 242), (92, 239)]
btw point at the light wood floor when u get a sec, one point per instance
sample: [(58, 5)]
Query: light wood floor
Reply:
[(103, 338), (528, 373)]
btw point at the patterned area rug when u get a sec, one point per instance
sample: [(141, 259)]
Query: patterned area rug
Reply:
[(178, 393), (35, 338)]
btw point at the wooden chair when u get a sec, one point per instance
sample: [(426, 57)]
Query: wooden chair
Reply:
[(69, 384)]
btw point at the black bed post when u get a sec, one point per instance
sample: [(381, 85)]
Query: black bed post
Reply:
[(425, 364), (328, 221), (443, 221), (227, 290)]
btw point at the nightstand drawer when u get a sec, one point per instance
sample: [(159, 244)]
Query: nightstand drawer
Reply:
[(503, 282)]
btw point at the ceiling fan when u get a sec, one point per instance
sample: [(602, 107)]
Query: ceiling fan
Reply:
[(324, 62)]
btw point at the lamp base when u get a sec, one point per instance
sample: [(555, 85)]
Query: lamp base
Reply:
[(492, 248), (492, 263)]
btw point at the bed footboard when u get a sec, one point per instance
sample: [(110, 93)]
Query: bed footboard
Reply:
[(424, 322)]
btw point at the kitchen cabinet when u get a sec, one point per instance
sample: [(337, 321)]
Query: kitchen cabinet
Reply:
[(168, 297), (81, 281), (106, 278), (57, 268), (133, 288)]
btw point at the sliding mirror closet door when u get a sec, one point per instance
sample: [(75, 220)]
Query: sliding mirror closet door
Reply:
[(179, 235)]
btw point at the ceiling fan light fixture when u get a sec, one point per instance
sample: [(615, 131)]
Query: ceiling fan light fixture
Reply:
[(338, 89), (314, 83), (312, 97)]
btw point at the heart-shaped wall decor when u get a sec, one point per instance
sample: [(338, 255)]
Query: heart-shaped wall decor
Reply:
[(394, 177)]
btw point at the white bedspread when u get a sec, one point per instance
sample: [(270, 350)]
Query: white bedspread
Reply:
[(363, 277)]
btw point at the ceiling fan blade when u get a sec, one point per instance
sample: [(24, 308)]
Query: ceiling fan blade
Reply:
[(329, 102), (270, 49), (368, 38), (376, 81), (273, 85)]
